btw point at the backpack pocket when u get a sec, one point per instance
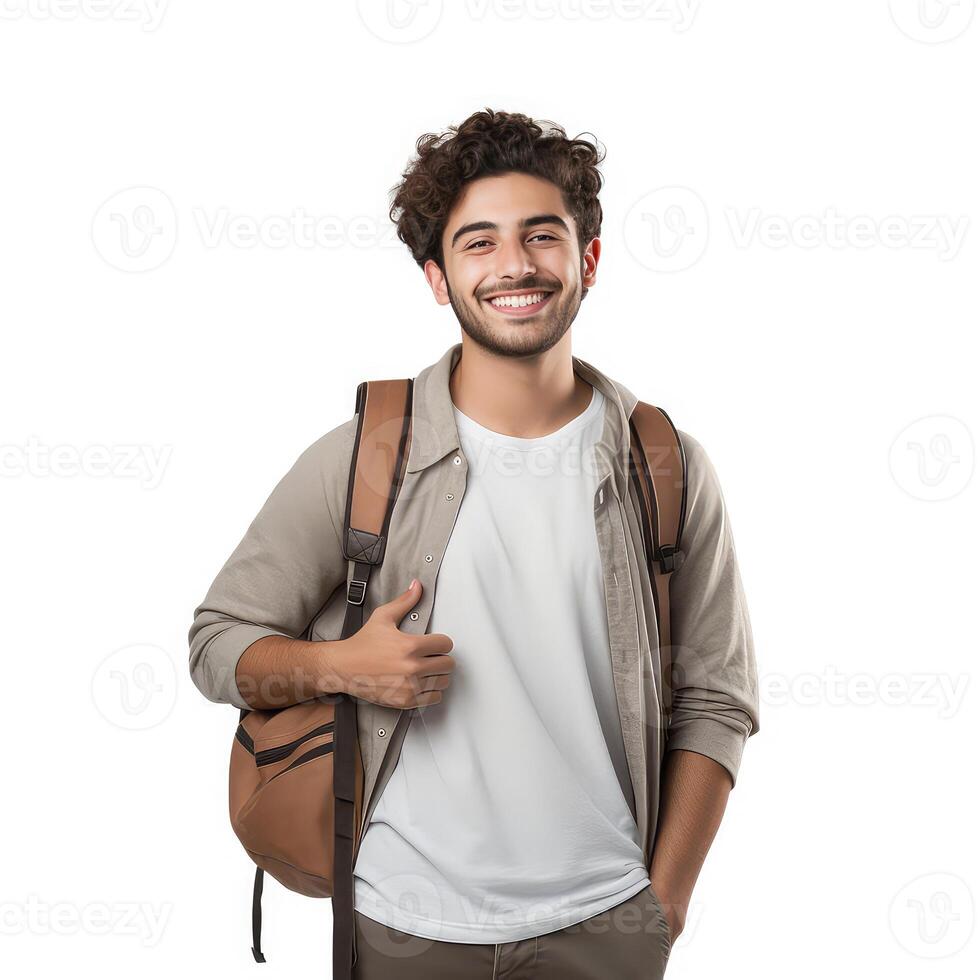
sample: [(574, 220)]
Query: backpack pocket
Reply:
[(282, 795)]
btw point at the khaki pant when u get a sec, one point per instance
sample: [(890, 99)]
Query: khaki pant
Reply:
[(626, 942)]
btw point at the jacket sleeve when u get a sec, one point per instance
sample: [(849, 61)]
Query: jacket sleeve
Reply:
[(283, 571), (716, 687)]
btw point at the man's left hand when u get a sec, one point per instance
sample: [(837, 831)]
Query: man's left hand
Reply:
[(674, 911)]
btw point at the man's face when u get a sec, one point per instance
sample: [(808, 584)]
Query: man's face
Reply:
[(511, 236)]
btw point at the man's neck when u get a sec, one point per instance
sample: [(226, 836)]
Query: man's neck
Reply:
[(526, 397)]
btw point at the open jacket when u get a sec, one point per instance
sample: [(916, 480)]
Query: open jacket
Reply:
[(288, 577)]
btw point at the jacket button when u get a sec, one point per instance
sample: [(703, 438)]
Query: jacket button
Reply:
[(428, 557), (457, 460), (381, 732), (449, 496), (414, 615)]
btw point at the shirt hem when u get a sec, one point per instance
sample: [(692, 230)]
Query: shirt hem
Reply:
[(468, 933)]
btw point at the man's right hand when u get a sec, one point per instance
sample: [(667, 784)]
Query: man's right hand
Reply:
[(380, 663)]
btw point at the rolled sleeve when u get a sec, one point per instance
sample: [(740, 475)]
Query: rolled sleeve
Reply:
[(283, 571), (715, 678), (219, 646)]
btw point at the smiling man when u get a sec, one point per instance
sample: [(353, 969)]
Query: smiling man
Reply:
[(541, 817), (542, 254)]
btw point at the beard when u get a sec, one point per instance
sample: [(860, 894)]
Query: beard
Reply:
[(520, 338)]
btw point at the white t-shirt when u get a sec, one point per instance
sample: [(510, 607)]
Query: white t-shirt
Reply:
[(506, 816)]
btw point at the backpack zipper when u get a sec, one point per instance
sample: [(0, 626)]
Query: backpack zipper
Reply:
[(269, 756), (276, 754), (245, 739), (324, 749)]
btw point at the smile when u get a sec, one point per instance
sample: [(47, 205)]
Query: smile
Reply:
[(520, 305)]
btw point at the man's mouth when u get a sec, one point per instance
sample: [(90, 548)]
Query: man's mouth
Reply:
[(521, 304)]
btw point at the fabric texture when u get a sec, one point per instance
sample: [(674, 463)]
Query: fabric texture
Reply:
[(506, 814), (288, 576), (630, 941)]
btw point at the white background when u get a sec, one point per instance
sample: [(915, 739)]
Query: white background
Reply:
[(788, 266)]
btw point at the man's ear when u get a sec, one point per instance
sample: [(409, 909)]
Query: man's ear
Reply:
[(436, 279), (590, 262)]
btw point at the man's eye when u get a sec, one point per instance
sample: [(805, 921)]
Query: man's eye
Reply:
[(483, 241)]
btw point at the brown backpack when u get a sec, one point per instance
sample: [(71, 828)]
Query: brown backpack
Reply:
[(296, 777)]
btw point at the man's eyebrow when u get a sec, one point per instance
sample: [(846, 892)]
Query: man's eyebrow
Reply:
[(538, 219)]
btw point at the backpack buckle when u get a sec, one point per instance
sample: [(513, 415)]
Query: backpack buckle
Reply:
[(671, 558), (356, 589)]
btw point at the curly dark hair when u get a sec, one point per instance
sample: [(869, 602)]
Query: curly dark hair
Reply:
[(486, 144)]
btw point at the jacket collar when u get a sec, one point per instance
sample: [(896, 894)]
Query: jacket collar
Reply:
[(434, 432)]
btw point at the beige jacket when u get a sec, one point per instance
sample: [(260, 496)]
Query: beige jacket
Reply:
[(288, 577)]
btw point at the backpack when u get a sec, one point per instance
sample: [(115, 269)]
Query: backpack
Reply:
[(296, 778)]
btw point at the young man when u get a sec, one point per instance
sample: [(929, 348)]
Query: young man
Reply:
[(538, 817)]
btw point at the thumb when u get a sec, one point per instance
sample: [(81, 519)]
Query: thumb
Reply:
[(400, 605)]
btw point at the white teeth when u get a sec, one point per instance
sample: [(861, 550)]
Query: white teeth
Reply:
[(517, 301)]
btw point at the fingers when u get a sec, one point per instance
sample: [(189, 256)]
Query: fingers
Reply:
[(430, 644), (401, 605), (436, 666), (431, 692)]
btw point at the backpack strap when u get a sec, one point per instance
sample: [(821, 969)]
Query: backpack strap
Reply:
[(658, 471), (378, 461), (381, 447), (257, 953)]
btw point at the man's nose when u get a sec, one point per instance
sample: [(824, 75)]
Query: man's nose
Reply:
[(514, 261)]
